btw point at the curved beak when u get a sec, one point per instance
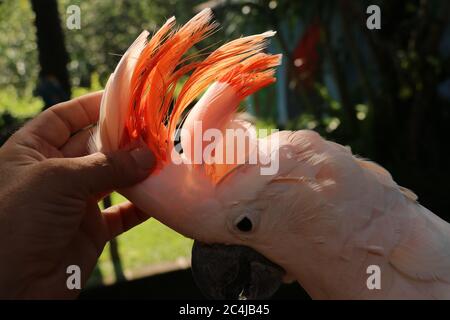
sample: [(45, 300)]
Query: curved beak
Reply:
[(234, 272)]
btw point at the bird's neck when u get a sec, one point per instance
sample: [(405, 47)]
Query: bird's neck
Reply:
[(170, 195)]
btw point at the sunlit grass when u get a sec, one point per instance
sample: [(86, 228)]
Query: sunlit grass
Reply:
[(146, 244), (20, 106)]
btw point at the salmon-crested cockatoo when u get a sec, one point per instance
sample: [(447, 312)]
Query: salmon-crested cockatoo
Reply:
[(306, 209)]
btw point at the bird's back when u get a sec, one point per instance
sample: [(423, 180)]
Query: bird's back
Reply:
[(375, 220)]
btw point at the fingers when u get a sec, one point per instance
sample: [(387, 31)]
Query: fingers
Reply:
[(56, 124), (122, 217), (98, 173), (77, 145)]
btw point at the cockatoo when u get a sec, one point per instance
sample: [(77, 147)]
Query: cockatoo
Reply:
[(322, 217)]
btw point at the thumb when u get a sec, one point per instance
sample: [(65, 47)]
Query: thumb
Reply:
[(98, 172)]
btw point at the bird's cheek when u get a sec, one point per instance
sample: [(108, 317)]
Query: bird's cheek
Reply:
[(209, 236), (212, 230), (236, 237)]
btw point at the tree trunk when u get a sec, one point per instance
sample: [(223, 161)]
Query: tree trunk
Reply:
[(114, 249), (53, 84)]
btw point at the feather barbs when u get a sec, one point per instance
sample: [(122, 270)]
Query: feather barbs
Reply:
[(152, 111)]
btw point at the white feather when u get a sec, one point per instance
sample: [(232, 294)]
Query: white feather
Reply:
[(115, 100)]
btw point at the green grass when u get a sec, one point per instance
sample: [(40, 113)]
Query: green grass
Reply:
[(20, 106), (149, 243)]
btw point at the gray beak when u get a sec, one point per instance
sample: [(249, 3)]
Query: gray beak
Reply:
[(234, 272)]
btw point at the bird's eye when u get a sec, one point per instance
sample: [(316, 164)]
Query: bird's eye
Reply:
[(244, 224)]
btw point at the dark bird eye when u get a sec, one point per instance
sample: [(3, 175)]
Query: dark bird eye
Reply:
[(245, 224)]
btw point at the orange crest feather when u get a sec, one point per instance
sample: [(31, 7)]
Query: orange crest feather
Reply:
[(161, 65)]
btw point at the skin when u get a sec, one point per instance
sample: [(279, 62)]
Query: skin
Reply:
[(49, 189)]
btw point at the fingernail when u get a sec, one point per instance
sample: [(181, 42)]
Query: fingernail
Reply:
[(144, 158)]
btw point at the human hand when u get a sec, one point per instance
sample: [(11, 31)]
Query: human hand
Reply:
[(49, 189)]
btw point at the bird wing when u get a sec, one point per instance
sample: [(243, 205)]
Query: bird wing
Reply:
[(415, 240), (423, 252)]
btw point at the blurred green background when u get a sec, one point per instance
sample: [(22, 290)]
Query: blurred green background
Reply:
[(385, 93)]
